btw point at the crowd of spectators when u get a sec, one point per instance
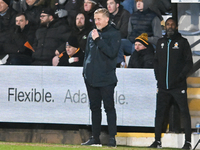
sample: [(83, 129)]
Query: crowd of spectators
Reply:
[(47, 25)]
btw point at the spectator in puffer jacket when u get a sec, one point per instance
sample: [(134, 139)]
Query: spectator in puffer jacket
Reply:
[(143, 20), (49, 37)]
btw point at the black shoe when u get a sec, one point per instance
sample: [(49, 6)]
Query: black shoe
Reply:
[(156, 144), (92, 142), (187, 145), (112, 142)]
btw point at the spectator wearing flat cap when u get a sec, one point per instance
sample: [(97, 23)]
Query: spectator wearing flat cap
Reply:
[(143, 56), (72, 56), (7, 21), (49, 37)]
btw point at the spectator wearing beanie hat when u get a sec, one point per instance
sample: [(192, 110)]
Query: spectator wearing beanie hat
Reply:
[(73, 55), (143, 55), (49, 11), (49, 37), (143, 39), (143, 20)]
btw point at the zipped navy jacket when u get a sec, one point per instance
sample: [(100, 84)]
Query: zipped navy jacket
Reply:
[(101, 57), (173, 61)]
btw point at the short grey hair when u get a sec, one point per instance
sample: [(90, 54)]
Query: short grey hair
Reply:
[(103, 11)]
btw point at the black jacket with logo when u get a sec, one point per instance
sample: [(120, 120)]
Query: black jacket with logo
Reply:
[(173, 61), (101, 57)]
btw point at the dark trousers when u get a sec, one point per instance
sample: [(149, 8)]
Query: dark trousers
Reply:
[(96, 95), (163, 99)]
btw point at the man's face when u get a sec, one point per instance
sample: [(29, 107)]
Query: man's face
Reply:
[(80, 21), (44, 19), (170, 27), (30, 2), (70, 50), (140, 5), (112, 7), (139, 46), (100, 20), (3, 6), (87, 5), (21, 21)]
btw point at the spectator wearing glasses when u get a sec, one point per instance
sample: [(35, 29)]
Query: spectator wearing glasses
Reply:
[(49, 37)]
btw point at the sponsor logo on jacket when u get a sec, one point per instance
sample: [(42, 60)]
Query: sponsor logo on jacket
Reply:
[(84, 37), (176, 46), (162, 45)]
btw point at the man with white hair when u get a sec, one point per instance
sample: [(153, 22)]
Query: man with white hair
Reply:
[(99, 74)]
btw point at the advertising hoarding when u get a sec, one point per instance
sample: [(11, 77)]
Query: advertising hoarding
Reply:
[(36, 94)]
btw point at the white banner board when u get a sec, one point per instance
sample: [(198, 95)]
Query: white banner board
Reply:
[(185, 1), (36, 94)]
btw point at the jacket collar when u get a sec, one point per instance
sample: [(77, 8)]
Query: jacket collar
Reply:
[(174, 36), (105, 28)]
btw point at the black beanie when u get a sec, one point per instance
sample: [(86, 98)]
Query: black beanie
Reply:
[(143, 38), (7, 2), (48, 11), (72, 41)]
